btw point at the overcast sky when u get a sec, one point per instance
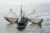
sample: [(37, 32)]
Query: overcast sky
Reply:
[(15, 4), (26, 2)]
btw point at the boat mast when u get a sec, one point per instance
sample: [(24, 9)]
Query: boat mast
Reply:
[(21, 10)]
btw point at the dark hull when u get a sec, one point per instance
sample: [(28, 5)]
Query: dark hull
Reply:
[(21, 26)]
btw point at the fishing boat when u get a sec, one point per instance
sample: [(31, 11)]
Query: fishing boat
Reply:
[(21, 25)]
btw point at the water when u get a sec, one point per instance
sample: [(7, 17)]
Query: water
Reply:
[(5, 27)]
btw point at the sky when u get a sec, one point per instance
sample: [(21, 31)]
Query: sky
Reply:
[(23, 1), (15, 5), (2, 2)]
